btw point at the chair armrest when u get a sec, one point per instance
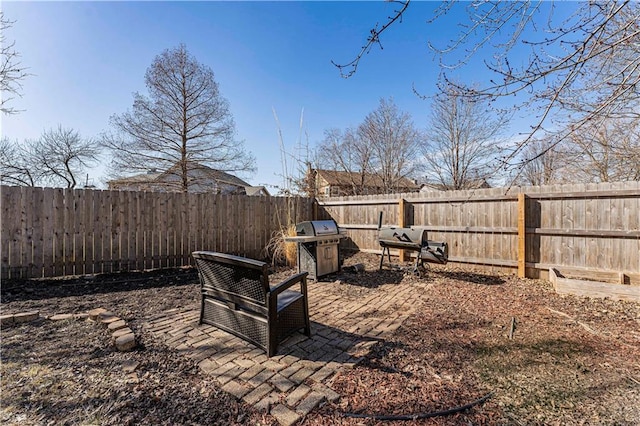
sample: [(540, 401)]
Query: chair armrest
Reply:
[(297, 278)]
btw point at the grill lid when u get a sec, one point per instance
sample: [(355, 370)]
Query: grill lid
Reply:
[(317, 227), (410, 238)]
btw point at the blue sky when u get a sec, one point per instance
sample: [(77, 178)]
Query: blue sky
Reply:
[(87, 58)]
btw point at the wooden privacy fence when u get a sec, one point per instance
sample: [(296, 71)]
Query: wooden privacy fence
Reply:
[(587, 229), (590, 229), (49, 232)]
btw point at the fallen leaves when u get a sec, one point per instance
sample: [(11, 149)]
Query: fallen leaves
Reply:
[(452, 350), (457, 347)]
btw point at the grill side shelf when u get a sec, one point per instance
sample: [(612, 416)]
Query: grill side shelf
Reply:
[(313, 238)]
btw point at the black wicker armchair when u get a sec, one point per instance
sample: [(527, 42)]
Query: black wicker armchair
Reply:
[(237, 298)]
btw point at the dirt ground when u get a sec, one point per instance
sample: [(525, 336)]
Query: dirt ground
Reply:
[(537, 357)]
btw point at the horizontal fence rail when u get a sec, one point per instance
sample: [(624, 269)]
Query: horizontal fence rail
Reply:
[(49, 232), (588, 229)]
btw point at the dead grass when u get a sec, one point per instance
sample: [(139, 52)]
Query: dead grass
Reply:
[(456, 348), (571, 360), (282, 252)]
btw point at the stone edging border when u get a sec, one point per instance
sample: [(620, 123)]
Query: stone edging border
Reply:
[(122, 336)]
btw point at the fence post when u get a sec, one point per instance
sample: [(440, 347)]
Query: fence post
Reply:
[(522, 236), (401, 223)]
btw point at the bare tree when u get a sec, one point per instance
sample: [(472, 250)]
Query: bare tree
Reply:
[(62, 156), (604, 85), (346, 151), (542, 164), (462, 145), (17, 164), (605, 151), (184, 124), (386, 144), (601, 151), (11, 71), (59, 158), (629, 151), (580, 68), (350, 68), (395, 143)]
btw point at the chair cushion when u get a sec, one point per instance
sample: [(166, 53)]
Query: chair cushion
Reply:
[(287, 297)]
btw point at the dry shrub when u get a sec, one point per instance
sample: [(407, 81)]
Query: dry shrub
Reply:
[(280, 251)]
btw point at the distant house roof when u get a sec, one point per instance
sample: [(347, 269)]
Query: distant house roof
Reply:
[(150, 176), (256, 190), (202, 177), (371, 180), (208, 172)]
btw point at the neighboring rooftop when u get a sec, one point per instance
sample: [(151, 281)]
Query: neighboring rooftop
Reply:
[(338, 183), (201, 179)]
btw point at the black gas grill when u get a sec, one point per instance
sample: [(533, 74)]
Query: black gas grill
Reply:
[(318, 247), (412, 239)]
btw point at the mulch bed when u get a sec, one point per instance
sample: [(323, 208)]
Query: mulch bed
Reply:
[(567, 361)]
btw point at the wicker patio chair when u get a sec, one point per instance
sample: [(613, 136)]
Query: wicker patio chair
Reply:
[(237, 298)]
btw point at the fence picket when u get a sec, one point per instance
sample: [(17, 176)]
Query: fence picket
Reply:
[(10, 238), (79, 234), (47, 232), (36, 207), (58, 232)]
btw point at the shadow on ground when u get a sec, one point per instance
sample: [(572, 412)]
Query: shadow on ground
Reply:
[(366, 279), (470, 277), (35, 289)]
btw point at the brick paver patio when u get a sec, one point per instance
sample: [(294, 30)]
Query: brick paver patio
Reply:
[(346, 320)]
